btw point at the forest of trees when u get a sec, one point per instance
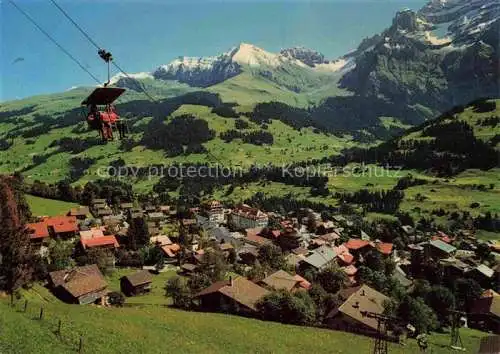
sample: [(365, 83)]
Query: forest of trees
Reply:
[(181, 131), (254, 137)]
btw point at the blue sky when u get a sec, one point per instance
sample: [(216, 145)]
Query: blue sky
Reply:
[(144, 34)]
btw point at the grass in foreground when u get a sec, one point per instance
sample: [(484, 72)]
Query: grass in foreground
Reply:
[(155, 329)]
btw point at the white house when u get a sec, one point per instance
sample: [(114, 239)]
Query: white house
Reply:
[(246, 217)]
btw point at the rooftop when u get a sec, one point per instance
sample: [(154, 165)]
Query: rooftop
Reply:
[(38, 230), (281, 280), (247, 211), (356, 244), (443, 246), (62, 224), (241, 290), (320, 257), (99, 242), (80, 280), (363, 299), (139, 278)]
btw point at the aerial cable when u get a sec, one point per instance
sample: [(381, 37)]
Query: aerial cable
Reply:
[(76, 24), (54, 41), (106, 56)]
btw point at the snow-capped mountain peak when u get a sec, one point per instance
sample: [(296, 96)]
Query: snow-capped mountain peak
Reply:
[(248, 54)]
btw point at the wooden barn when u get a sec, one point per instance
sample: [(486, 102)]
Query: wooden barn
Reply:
[(137, 283)]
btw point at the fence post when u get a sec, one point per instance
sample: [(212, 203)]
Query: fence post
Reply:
[(80, 347), (41, 312), (25, 305), (59, 325)]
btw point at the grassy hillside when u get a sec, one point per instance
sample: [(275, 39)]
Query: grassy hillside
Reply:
[(30, 131), (42, 206), (154, 329)]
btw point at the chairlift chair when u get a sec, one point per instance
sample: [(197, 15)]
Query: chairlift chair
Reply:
[(101, 114)]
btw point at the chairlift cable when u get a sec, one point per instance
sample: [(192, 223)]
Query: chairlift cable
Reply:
[(25, 14), (76, 24), (99, 49)]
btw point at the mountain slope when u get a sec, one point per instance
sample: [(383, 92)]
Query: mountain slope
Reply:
[(467, 137), (444, 55)]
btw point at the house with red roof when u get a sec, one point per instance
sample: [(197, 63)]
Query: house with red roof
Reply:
[(101, 242), (39, 234), (345, 258), (61, 226), (170, 251), (253, 237), (95, 238), (38, 231), (384, 248), (358, 247)]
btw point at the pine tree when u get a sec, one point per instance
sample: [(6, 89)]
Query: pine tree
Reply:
[(138, 233), (16, 254)]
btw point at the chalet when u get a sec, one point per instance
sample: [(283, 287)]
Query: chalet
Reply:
[(384, 248), (156, 216), (137, 283), (39, 233), (80, 213), (483, 274), (108, 242), (113, 223), (93, 232), (326, 227), (103, 212), (150, 208), (358, 247), (344, 257), (135, 213), (126, 206), (253, 237), (61, 226), (438, 249), (160, 240), (95, 238), (214, 211), (188, 268), (486, 314), (349, 315), (81, 285), (245, 217), (283, 280), (237, 296), (318, 259), (330, 238), (453, 268), (170, 252)]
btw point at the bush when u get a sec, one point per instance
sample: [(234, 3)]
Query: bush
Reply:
[(116, 298), (282, 306), (177, 289)]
